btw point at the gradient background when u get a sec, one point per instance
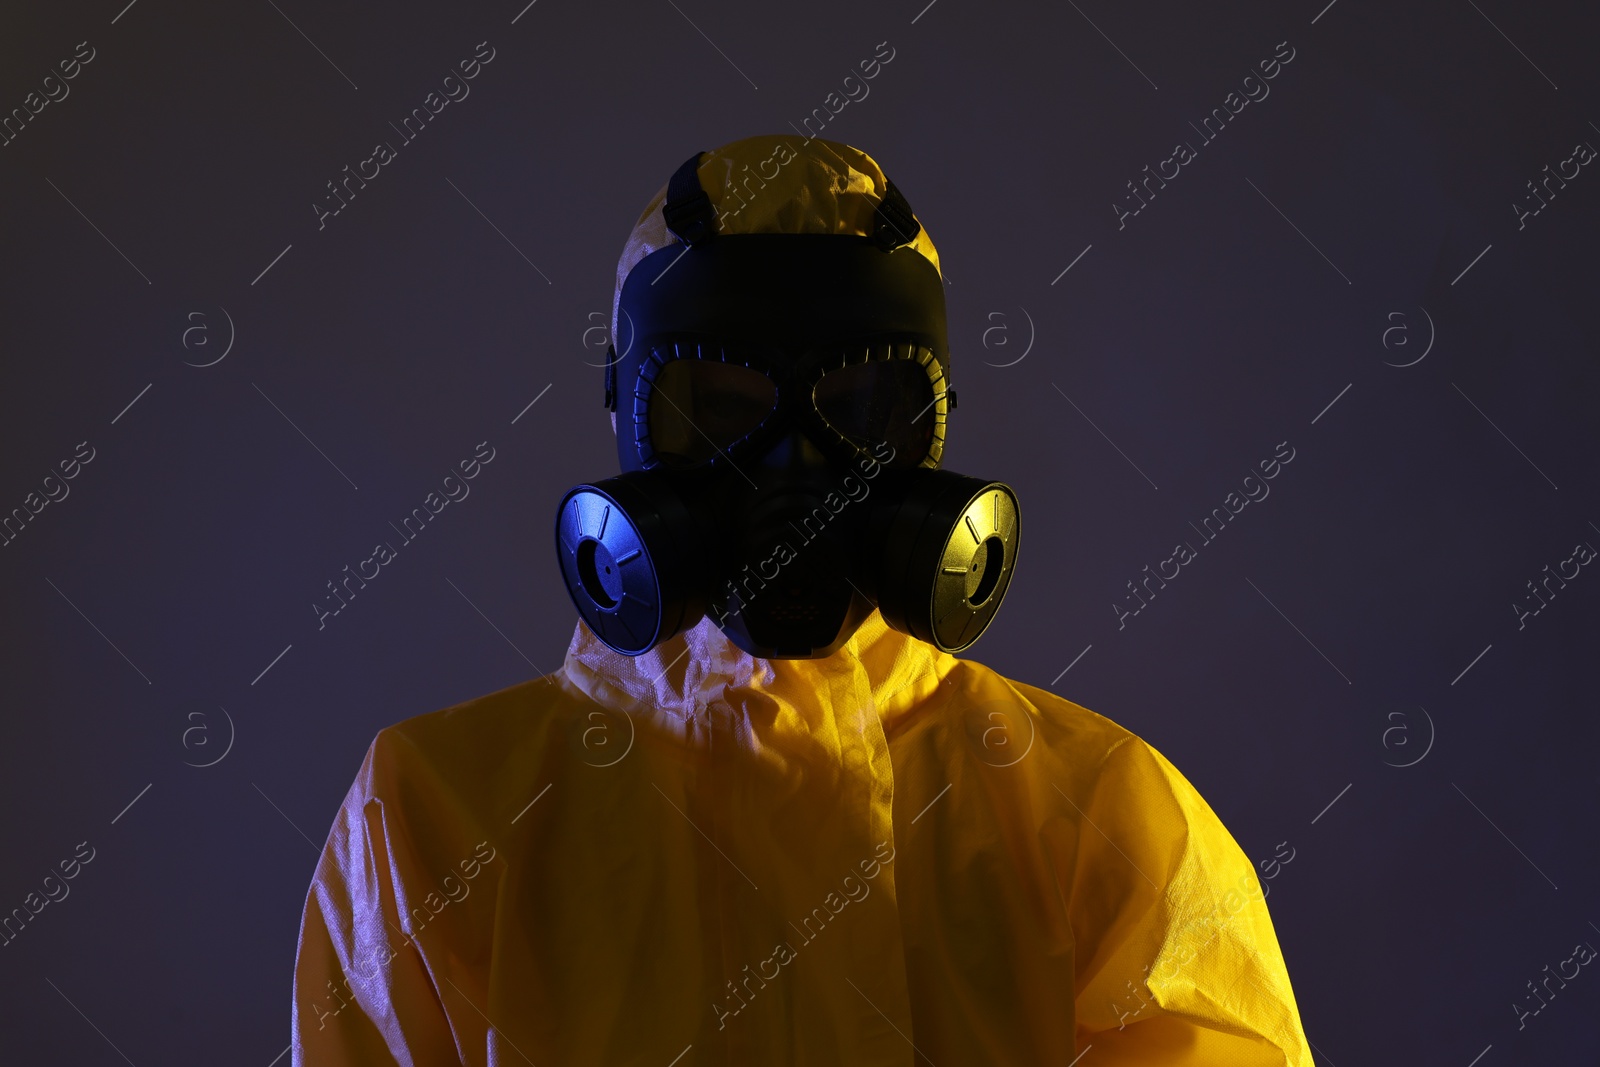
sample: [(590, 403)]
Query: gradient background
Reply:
[(1359, 618)]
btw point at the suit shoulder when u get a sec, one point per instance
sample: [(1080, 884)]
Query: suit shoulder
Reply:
[(478, 734), (1064, 723)]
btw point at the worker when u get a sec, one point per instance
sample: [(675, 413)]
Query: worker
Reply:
[(764, 813)]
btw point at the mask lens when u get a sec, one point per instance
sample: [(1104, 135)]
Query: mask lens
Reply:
[(881, 400), (698, 407)]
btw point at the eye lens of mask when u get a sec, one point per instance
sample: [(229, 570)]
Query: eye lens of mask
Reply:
[(698, 407), (881, 400)]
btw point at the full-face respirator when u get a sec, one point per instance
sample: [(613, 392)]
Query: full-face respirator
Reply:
[(781, 405)]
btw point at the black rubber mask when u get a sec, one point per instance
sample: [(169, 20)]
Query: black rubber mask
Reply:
[(781, 403)]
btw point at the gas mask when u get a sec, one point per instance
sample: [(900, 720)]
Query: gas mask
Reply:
[(781, 402)]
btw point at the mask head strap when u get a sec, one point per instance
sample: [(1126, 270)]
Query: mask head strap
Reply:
[(893, 223), (688, 211), (690, 215)]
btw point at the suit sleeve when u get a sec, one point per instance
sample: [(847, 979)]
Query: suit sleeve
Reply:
[(363, 994), (1179, 964)]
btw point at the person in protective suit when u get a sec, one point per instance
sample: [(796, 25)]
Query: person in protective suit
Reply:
[(763, 814)]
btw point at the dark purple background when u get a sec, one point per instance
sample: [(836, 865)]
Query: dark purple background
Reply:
[(1196, 338)]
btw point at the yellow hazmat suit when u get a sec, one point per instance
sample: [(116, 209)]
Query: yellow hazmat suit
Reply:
[(696, 857)]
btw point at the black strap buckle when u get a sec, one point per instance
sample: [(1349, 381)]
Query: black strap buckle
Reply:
[(688, 211), (895, 225)]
